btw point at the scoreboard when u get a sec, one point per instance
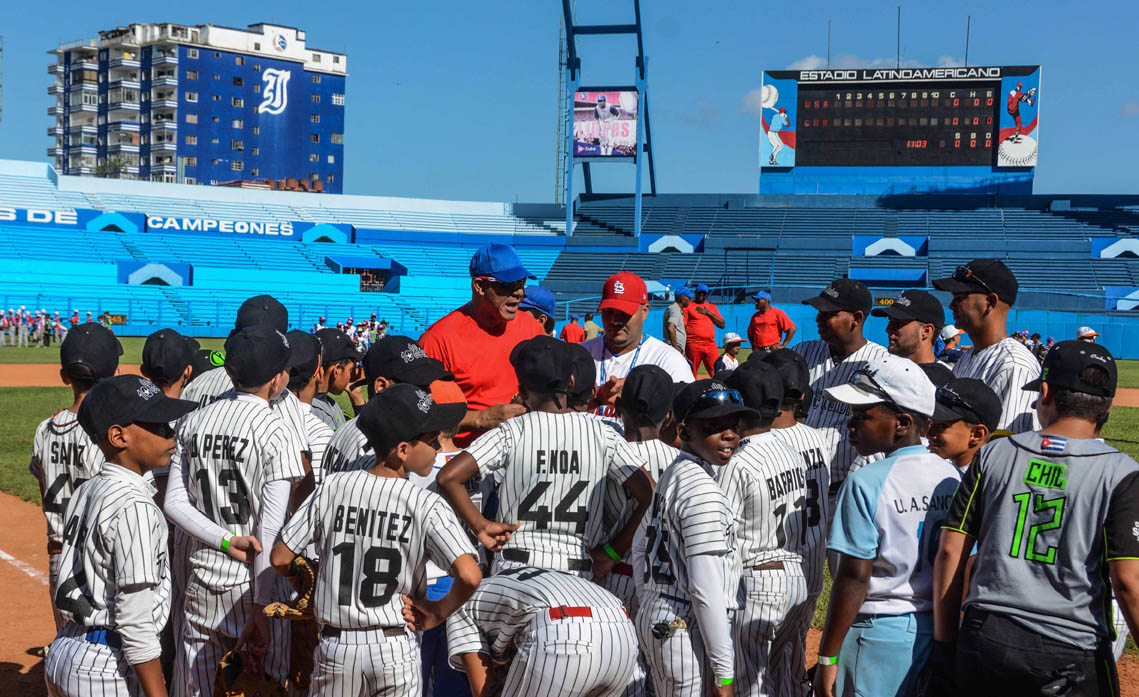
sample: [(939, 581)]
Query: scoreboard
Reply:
[(977, 116)]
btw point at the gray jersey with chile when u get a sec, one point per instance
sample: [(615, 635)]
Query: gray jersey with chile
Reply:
[(1048, 514)]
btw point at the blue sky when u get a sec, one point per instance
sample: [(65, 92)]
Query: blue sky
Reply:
[(450, 99)]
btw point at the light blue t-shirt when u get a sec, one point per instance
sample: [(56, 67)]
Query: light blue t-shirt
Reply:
[(891, 511), (778, 122)]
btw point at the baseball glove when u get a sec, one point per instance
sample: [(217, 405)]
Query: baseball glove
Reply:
[(233, 681), (303, 639), (304, 582)]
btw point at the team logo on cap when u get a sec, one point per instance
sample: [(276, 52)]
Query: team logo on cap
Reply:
[(830, 291), (903, 301), (618, 288), (412, 352), (147, 389), (425, 401), (284, 339)]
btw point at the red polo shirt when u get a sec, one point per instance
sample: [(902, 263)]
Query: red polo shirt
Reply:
[(767, 328), (573, 333), (699, 326)]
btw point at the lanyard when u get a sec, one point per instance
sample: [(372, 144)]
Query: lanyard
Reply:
[(632, 365)]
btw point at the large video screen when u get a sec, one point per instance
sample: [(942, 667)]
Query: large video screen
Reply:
[(605, 123), (976, 116)]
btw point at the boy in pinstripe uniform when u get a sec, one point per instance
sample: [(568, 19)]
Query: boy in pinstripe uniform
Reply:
[(304, 373), (376, 531), (115, 590)]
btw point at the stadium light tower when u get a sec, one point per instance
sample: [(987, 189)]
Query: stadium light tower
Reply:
[(605, 123)]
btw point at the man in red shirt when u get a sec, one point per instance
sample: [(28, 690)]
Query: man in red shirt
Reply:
[(474, 342), (769, 325), (701, 318), (573, 332)]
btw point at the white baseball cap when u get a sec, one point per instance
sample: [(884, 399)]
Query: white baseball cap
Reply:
[(1086, 331), (732, 338), (948, 332), (888, 379)]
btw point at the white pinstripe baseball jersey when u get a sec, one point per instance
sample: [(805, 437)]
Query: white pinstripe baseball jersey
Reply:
[(689, 516), (115, 538), (319, 434), (229, 450), (63, 457), (766, 488), (618, 506), (215, 384), (1006, 367), (328, 410), (375, 535), (830, 418), (348, 450), (493, 621), (812, 449), (551, 470)]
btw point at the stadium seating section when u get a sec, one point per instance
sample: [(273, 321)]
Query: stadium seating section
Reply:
[(794, 245)]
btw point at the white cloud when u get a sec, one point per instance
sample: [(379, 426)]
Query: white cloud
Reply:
[(1129, 108), (752, 103)]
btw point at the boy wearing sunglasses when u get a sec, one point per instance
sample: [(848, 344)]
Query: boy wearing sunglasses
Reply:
[(683, 554), (115, 576), (887, 523), (375, 532), (967, 413)]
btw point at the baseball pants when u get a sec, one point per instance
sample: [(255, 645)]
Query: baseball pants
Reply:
[(1122, 631), (213, 622), (620, 583), (75, 667), (3, 337), (701, 352), (574, 656), (789, 649), (439, 678), (884, 654), (22, 334), (776, 141), (367, 663), (53, 563), (997, 656), (672, 645), (768, 597)]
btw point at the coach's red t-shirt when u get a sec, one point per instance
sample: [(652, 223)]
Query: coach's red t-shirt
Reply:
[(573, 333), (698, 325), (480, 360), (767, 328)]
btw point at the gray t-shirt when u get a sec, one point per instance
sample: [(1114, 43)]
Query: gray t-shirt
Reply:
[(1048, 513), (674, 315)]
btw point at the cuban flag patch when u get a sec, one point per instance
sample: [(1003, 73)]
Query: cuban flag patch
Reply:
[(1053, 444)]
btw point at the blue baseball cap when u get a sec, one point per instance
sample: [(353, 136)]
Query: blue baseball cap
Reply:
[(701, 287), (762, 295), (682, 292), (540, 299), (500, 262)]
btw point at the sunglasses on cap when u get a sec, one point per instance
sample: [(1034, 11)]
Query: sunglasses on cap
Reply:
[(713, 398), (953, 400), (964, 273)]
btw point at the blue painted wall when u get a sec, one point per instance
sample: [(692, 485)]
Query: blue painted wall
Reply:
[(896, 180)]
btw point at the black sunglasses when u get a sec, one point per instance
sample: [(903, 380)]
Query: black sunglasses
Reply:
[(161, 429), (964, 273), (433, 443), (504, 287), (713, 398)]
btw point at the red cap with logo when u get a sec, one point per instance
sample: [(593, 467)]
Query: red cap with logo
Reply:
[(625, 292)]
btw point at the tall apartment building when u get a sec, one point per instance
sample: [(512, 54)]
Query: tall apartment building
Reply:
[(199, 104)]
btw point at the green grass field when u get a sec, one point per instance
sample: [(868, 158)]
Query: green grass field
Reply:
[(132, 351)]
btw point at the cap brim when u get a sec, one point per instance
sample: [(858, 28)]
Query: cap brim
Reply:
[(893, 312), (445, 416), (720, 410), (942, 412), (854, 396), (165, 410), (822, 304), (952, 285), (422, 372), (511, 275), (627, 306), (1034, 386)]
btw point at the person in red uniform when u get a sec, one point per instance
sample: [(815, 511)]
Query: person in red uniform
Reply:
[(474, 342), (770, 329), (701, 318), (1015, 97), (573, 332)]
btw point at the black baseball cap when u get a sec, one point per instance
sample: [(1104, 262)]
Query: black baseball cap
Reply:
[(123, 400), (92, 345), (760, 385), (937, 373), (336, 346), (542, 365), (914, 305), (970, 400), (165, 356), (792, 369), (647, 391), (304, 355), (402, 412), (708, 399), (583, 370), (982, 276), (255, 355), (1065, 363), (843, 294), (262, 309), (400, 359)]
